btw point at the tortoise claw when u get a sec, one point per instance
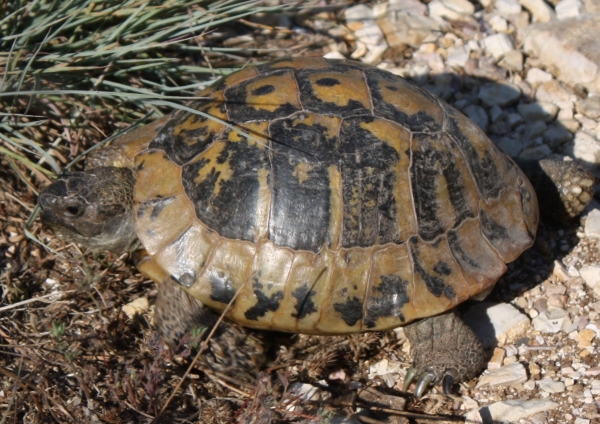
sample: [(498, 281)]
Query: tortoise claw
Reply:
[(410, 376), (423, 383), (447, 383)]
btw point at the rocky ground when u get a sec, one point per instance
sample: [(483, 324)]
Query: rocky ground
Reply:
[(528, 73)]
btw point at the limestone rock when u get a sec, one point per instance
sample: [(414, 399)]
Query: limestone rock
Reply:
[(507, 375), (496, 324), (497, 45), (509, 411), (541, 11), (569, 46), (138, 306), (592, 224)]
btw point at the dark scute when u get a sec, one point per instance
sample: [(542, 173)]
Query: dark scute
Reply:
[(435, 285), (328, 82), (368, 171), (456, 190), (491, 229), (231, 212), (160, 204), (458, 252), (157, 204), (264, 304), (442, 268), (424, 173), (261, 91), (300, 212), (312, 103), (351, 311), (240, 109), (222, 289), (304, 305), (392, 298), (186, 145), (418, 122), (487, 178)]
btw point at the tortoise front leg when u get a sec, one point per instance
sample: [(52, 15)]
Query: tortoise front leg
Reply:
[(234, 350), (444, 350)]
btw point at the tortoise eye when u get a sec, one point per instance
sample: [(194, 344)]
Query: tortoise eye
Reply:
[(73, 211)]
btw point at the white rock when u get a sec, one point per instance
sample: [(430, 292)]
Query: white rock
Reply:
[(414, 7), (509, 411), (536, 76), (551, 386), (568, 46), (590, 107), (138, 306), (457, 56), (591, 275), (584, 148), (512, 60), (568, 9), (451, 9), (553, 91), (507, 8), (541, 11), (334, 55), (500, 94), (498, 23), (538, 111), (551, 321), (389, 372), (592, 224), (477, 114), (496, 324), (507, 375), (497, 44), (358, 13)]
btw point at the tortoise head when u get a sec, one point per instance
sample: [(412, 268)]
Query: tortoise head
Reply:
[(94, 208)]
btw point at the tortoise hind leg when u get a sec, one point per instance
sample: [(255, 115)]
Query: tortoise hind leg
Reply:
[(233, 349), (444, 350)]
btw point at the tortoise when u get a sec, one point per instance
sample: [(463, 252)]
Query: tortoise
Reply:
[(316, 196)]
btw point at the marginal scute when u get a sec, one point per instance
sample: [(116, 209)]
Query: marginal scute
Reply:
[(225, 270), (152, 232), (348, 280), (389, 298), (186, 255), (480, 264), (439, 284), (504, 226), (260, 298)]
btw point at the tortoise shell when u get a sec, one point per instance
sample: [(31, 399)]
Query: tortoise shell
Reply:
[(334, 196)]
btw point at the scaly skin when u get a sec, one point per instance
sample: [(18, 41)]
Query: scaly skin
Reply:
[(444, 351)]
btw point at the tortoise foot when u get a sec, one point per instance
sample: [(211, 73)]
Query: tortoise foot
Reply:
[(233, 350), (444, 350)]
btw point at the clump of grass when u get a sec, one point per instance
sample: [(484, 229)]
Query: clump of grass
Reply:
[(77, 70)]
